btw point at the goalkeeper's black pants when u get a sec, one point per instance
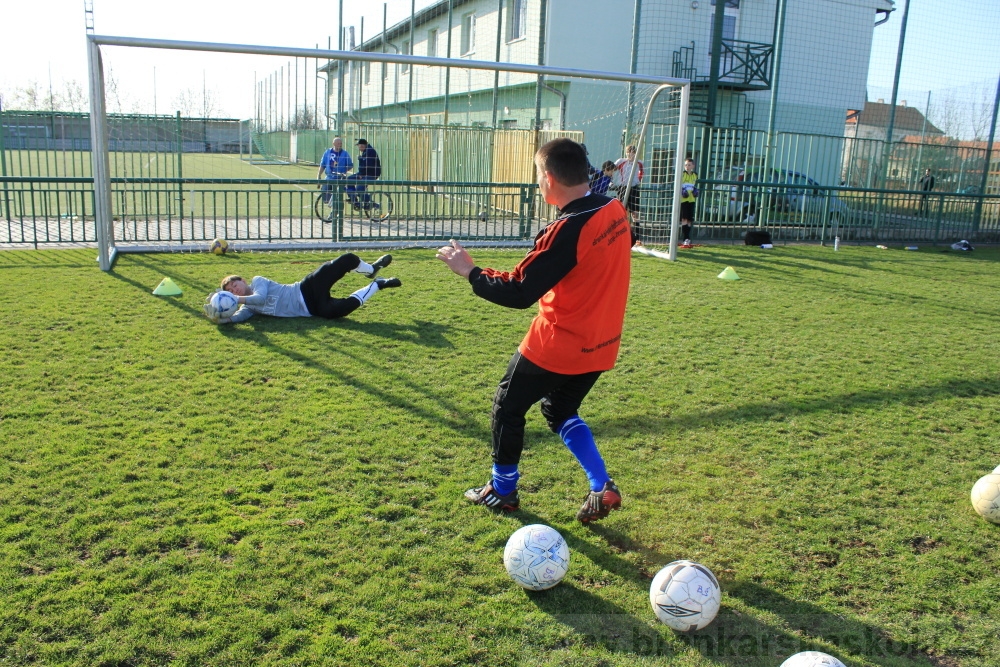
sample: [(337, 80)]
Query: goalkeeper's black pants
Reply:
[(523, 385), (316, 288)]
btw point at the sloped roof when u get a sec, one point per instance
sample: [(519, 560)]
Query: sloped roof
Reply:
[(908, 119)]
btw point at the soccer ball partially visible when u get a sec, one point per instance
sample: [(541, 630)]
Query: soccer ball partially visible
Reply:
[(986, 497), (685, 595), (812, 659), (225, 303), (483, 216), (536, 557), (219, 246)]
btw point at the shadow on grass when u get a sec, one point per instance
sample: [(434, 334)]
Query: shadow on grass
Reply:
[(146, 289), (780, 410), (854, 638), (398, 389), (734, 638)]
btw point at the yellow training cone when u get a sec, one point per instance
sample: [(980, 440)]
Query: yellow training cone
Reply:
[(167, 287), (729, 274)]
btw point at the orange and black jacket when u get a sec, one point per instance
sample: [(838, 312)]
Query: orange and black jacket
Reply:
[(578, 271)]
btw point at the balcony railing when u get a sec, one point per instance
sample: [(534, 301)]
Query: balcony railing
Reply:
[(742, 65)]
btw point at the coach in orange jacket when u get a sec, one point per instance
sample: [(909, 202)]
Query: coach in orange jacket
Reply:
[(578, 272)]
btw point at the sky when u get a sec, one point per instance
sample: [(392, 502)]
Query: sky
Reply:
[(46, 37), (950, 45)]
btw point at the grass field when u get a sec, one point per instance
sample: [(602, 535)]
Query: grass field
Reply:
[(125, 164), (288, 492), (140, 202)]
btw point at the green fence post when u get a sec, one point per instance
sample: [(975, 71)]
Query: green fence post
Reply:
[(940, 214), (180, 171), (338, 209), (826, 214), (525, 212), (3, 170)]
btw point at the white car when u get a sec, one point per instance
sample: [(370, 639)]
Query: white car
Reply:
[(802, 194)]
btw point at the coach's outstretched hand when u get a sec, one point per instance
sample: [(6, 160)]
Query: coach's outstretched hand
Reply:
[(457, 259)]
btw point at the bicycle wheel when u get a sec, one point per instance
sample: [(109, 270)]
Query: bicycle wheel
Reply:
[(381, 206), (324, 206)]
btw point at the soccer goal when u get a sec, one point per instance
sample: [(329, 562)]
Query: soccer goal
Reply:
[(455, 140)]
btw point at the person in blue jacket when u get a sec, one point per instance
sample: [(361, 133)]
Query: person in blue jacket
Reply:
[(369, 169), (336, 162)]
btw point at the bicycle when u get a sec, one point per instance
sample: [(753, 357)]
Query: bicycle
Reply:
[(378, 208)]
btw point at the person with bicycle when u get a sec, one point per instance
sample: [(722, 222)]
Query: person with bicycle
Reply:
[(369, 169), (336, 162)]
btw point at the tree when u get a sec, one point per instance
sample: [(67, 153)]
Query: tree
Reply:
[(196, 103), (981, 110), (303, 119)]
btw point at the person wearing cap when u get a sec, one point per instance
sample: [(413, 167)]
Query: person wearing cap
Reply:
[(369, 169)]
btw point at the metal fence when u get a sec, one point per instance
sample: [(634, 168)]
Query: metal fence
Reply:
[(177, 212)]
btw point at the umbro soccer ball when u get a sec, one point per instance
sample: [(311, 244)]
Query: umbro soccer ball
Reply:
[(536, 557), (986, 497), (219, 246), (685, 595), (812, 659), (225, 303)]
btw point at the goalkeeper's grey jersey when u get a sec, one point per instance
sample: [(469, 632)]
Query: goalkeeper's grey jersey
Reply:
[(271, 298)]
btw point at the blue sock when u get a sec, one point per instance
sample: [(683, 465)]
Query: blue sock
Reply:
[(579, 440), (505, 478)]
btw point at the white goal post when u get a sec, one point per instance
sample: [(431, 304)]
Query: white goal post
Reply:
[(99, 122)]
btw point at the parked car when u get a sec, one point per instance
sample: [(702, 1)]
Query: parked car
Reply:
[(802, 194)]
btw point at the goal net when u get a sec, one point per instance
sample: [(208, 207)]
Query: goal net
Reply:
[(454, 141)]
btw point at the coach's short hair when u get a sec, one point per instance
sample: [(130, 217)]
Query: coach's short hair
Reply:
[(229, 279), (566, 160)]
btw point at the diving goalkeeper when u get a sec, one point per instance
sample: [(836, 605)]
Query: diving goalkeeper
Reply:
[(307, 298)]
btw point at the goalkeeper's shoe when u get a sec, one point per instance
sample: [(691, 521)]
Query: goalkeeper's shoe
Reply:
[(600, 503), (380, 263), (485, 495), (384, 283)]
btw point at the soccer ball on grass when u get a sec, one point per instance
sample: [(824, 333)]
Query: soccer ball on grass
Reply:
[(224, 304), (685, 595), (812, 659), (986, 497), (219, 246), (536, 557)]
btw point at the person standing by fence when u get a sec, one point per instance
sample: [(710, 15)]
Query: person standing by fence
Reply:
[(689, 194), (336, 162), (926, 185), (369, 169), (623, 176)]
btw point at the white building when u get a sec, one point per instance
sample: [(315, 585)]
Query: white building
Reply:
[(824, 69)]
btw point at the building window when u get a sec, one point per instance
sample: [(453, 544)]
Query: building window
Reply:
[(468, 34), (406, 51), (432, 39), (517, 19)]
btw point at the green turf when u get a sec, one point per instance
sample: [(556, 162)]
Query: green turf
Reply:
[(288, 492)]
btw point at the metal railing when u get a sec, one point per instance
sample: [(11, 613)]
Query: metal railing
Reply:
[(791, 212), (38, 211), (173, 211)]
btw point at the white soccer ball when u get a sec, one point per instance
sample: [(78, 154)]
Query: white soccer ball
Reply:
[(812, 659), (685, 595), (536, 557), (986, 497), (225, 303)]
